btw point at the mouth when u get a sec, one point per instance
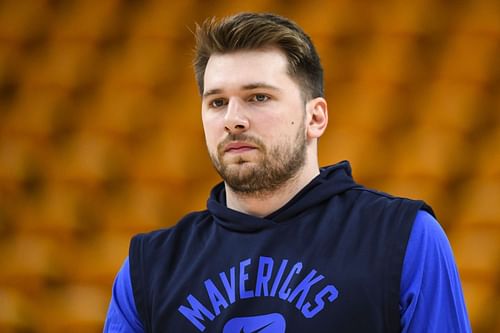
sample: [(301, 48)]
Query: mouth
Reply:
[(238, 147)]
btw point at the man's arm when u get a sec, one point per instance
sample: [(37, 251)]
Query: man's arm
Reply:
[(431, 298), (122, 314)]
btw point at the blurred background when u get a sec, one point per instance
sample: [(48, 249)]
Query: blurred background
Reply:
[(101, 137)]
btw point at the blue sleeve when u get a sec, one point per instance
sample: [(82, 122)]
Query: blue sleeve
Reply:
[(122, 314), (431, 298)]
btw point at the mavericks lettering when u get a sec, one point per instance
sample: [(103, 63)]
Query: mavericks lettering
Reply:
[(234, 285)]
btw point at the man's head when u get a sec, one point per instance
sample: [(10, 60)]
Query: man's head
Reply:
[(253, 31), (262, 108)]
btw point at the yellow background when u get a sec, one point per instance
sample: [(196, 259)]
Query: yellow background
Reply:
[(101, 138)]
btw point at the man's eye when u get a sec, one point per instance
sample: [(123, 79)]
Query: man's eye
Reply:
[(217, 103), (260, 98)]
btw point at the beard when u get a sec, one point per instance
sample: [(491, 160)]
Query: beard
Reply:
[(274, 167)]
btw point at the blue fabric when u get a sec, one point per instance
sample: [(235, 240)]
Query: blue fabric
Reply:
[(122, 314), (219, 264), (431, 293), (431, 297)]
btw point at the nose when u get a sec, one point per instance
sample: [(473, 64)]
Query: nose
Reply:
[(235, 120)]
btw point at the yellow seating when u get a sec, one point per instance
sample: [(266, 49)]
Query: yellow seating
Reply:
[(100, 136)]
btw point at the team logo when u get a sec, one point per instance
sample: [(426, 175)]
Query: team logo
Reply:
[(269, 323)]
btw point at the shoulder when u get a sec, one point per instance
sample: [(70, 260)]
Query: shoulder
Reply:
[(428, 241), (372, 197), (375, 204), (183, 228), (152, 247), (427, 232), (165, 244)]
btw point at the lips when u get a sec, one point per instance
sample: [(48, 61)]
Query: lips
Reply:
[(238, 147)]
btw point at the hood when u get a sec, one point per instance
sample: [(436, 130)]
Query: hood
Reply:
[(331, 181)]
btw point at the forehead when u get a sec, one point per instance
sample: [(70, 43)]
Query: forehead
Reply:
[(241, 68)]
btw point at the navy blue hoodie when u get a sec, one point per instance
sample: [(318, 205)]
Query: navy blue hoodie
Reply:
[(330, 260)]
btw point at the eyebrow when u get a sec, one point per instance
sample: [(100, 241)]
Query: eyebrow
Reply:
[(250, 86)]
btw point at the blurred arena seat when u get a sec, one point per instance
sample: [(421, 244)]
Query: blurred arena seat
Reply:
[(100, 134)]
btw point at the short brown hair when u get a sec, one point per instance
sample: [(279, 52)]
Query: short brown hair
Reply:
[(250, 31)]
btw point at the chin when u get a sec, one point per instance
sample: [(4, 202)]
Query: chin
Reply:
[(241, 166)]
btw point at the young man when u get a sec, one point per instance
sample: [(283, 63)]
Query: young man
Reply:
[(283, 246)]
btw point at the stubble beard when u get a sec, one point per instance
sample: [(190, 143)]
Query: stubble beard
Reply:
[(274, 168)]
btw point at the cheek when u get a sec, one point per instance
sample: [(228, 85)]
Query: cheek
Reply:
[(279, 127), (211, 133), (209, 138)]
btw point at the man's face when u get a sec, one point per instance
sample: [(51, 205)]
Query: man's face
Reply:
[(254, 120)]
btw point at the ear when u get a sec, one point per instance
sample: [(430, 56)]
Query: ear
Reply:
[(317, 117)]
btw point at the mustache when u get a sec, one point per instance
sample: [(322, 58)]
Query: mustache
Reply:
[(240, 137)]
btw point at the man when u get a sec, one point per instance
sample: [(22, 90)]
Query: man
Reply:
[(283, 244)]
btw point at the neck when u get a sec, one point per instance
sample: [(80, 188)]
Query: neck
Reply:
[(263, 204)]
